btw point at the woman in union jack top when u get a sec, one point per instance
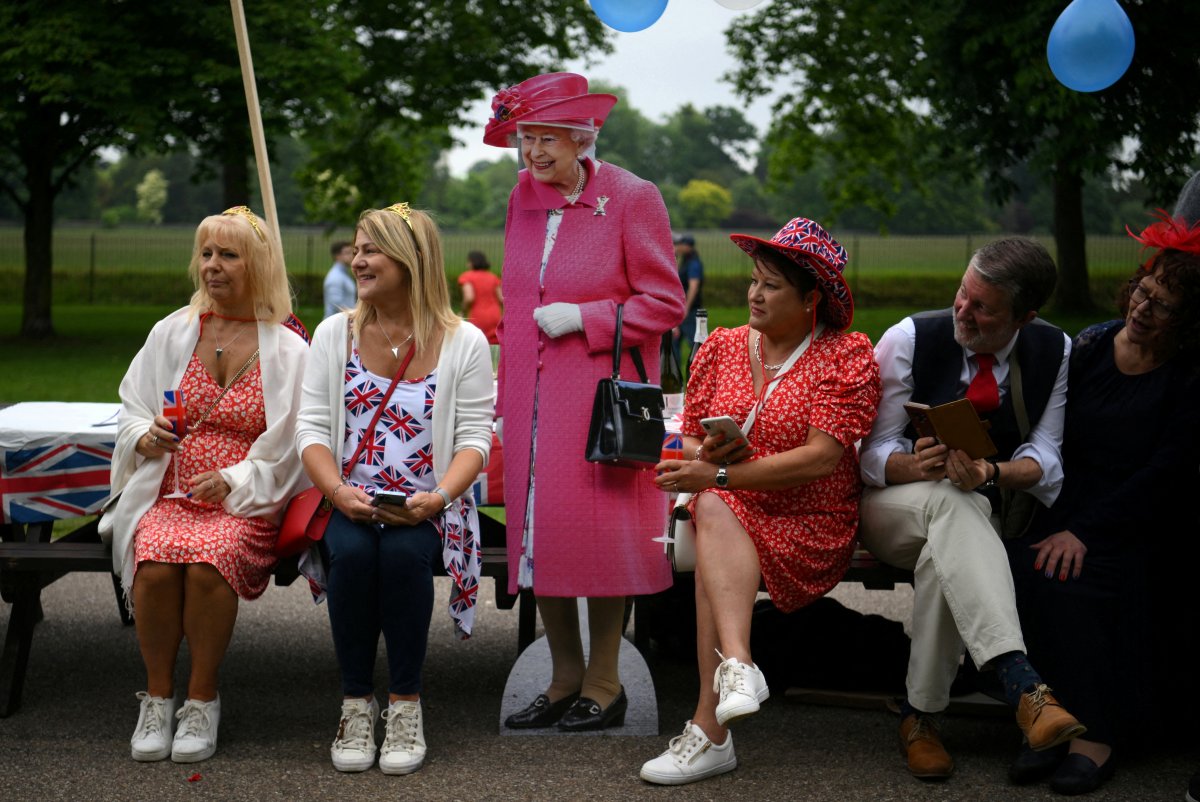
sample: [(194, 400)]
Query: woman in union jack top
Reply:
[(397, 398)]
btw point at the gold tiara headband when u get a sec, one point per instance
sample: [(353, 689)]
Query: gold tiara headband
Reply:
[(405, 211), (244, 211)]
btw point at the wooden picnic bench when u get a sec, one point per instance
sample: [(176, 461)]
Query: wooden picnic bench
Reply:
[(29, 562)]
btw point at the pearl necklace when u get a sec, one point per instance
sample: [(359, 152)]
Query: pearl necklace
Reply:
[(758, 353), (395, 348), (575, 193)]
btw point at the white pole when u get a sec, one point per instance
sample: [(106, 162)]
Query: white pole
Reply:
[(256, 125)]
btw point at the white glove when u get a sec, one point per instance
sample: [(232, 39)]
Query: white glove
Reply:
[(559, 319), (498, 428)]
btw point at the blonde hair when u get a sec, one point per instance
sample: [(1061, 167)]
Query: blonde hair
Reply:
[(413, 242), (266, 278)]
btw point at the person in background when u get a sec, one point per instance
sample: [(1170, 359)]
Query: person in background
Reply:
[(339, 289), (431, 438), (483, 301), (1087, 571), (186, 561), (785, 509), (930, 510), (691, 276), (582, 236)]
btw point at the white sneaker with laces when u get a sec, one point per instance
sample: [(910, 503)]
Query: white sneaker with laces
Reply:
[(690, 756), (196, 734), (354, 747), (404, 744), (742, 688), (152, 738)]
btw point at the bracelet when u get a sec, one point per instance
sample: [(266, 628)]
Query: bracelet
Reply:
[(699, 451), (441, 491), (333, 495)]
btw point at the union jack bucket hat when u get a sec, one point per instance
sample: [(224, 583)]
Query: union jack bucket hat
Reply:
[(810, 246), (556, 98)]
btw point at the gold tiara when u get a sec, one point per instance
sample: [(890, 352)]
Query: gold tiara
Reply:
[(405, 211), (244, 211)]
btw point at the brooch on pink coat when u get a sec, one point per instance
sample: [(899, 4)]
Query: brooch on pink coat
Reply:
[(600, 201)]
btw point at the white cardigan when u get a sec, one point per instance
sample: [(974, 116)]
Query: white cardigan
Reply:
[(463, 405), (260, 485)]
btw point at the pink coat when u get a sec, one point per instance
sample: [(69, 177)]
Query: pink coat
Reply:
[(593, 524)]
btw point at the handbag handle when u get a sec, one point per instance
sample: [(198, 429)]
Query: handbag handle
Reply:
[(634, 352)]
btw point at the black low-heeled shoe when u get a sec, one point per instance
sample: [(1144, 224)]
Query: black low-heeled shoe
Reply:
[(1030, 766), (541, 712), (1080, 775), (586, 714)]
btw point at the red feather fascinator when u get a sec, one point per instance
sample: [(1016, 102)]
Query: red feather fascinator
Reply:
[(1169, 233)]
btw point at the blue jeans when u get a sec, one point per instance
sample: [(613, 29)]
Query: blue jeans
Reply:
[(380, 581)]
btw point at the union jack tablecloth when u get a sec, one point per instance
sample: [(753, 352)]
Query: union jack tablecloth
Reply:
[(54, 459)]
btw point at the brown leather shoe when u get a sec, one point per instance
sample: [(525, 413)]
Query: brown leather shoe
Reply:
[(1044, 721), (922, 747)]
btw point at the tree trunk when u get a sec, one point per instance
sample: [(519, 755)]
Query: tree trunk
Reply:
[(235, 166), (39, 259), (1073, 294)]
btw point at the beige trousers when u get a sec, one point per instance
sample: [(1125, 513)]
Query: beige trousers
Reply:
[(962, 586)]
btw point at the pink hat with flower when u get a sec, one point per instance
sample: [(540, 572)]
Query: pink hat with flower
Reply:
[(810, 246), (556, 98)]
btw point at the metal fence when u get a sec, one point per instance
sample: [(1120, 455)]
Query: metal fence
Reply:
[(149, 264)]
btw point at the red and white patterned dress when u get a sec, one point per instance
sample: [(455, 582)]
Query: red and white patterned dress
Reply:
[(181, 530), (804, 535)]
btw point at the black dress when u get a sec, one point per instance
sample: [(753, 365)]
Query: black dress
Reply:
[(1110, 641)]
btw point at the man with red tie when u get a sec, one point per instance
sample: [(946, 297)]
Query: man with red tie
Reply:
[(934, 510)]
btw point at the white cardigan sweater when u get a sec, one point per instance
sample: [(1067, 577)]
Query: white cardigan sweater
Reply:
[(463, 406), (260, 485)]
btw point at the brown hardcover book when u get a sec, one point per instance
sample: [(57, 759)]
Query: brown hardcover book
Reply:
[(955, 424)]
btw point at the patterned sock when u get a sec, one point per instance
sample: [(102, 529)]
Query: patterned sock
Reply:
[(1016, 676)]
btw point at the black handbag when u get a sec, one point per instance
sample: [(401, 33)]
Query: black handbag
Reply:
[(627, 417)]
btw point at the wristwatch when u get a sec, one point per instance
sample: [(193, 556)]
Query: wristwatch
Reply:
[(445, 496), (995, 476), (722, 477)]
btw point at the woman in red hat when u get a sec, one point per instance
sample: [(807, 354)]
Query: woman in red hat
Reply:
[(582, 236), (783, 510)]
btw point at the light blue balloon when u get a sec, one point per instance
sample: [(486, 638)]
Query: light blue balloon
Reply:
[(629, 15), (1090, 45)]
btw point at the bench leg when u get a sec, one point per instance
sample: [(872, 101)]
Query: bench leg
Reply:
[(526, 619), (18, 640)]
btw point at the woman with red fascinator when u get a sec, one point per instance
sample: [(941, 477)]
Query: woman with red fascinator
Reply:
[(1090, 574)]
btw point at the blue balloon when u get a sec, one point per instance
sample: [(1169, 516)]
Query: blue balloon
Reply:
[(1090, 45), (629, 15)]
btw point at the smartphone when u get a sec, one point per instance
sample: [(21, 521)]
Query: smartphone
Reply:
[(387, 497), (727, 426)]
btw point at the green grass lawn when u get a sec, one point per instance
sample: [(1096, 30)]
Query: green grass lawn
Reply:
[(95, 345)]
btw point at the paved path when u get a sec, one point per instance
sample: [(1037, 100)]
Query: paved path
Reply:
[(70, 740)]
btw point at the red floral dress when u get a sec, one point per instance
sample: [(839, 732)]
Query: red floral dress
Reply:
[(804, 535), (180, 530)]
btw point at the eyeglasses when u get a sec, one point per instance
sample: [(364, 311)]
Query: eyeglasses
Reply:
[(547, 141), (1138, 296)]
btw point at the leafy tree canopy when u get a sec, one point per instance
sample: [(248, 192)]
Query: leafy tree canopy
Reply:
[(889, 79)]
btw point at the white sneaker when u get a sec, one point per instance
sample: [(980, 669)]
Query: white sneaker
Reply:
[(742, 688), (354, 747), (690, 757), (196, 734), (404, 745), (152, 738)]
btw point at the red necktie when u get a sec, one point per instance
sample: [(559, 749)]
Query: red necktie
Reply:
[(983, 393)]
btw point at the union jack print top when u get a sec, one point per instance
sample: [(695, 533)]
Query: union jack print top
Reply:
[(398, 457)]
